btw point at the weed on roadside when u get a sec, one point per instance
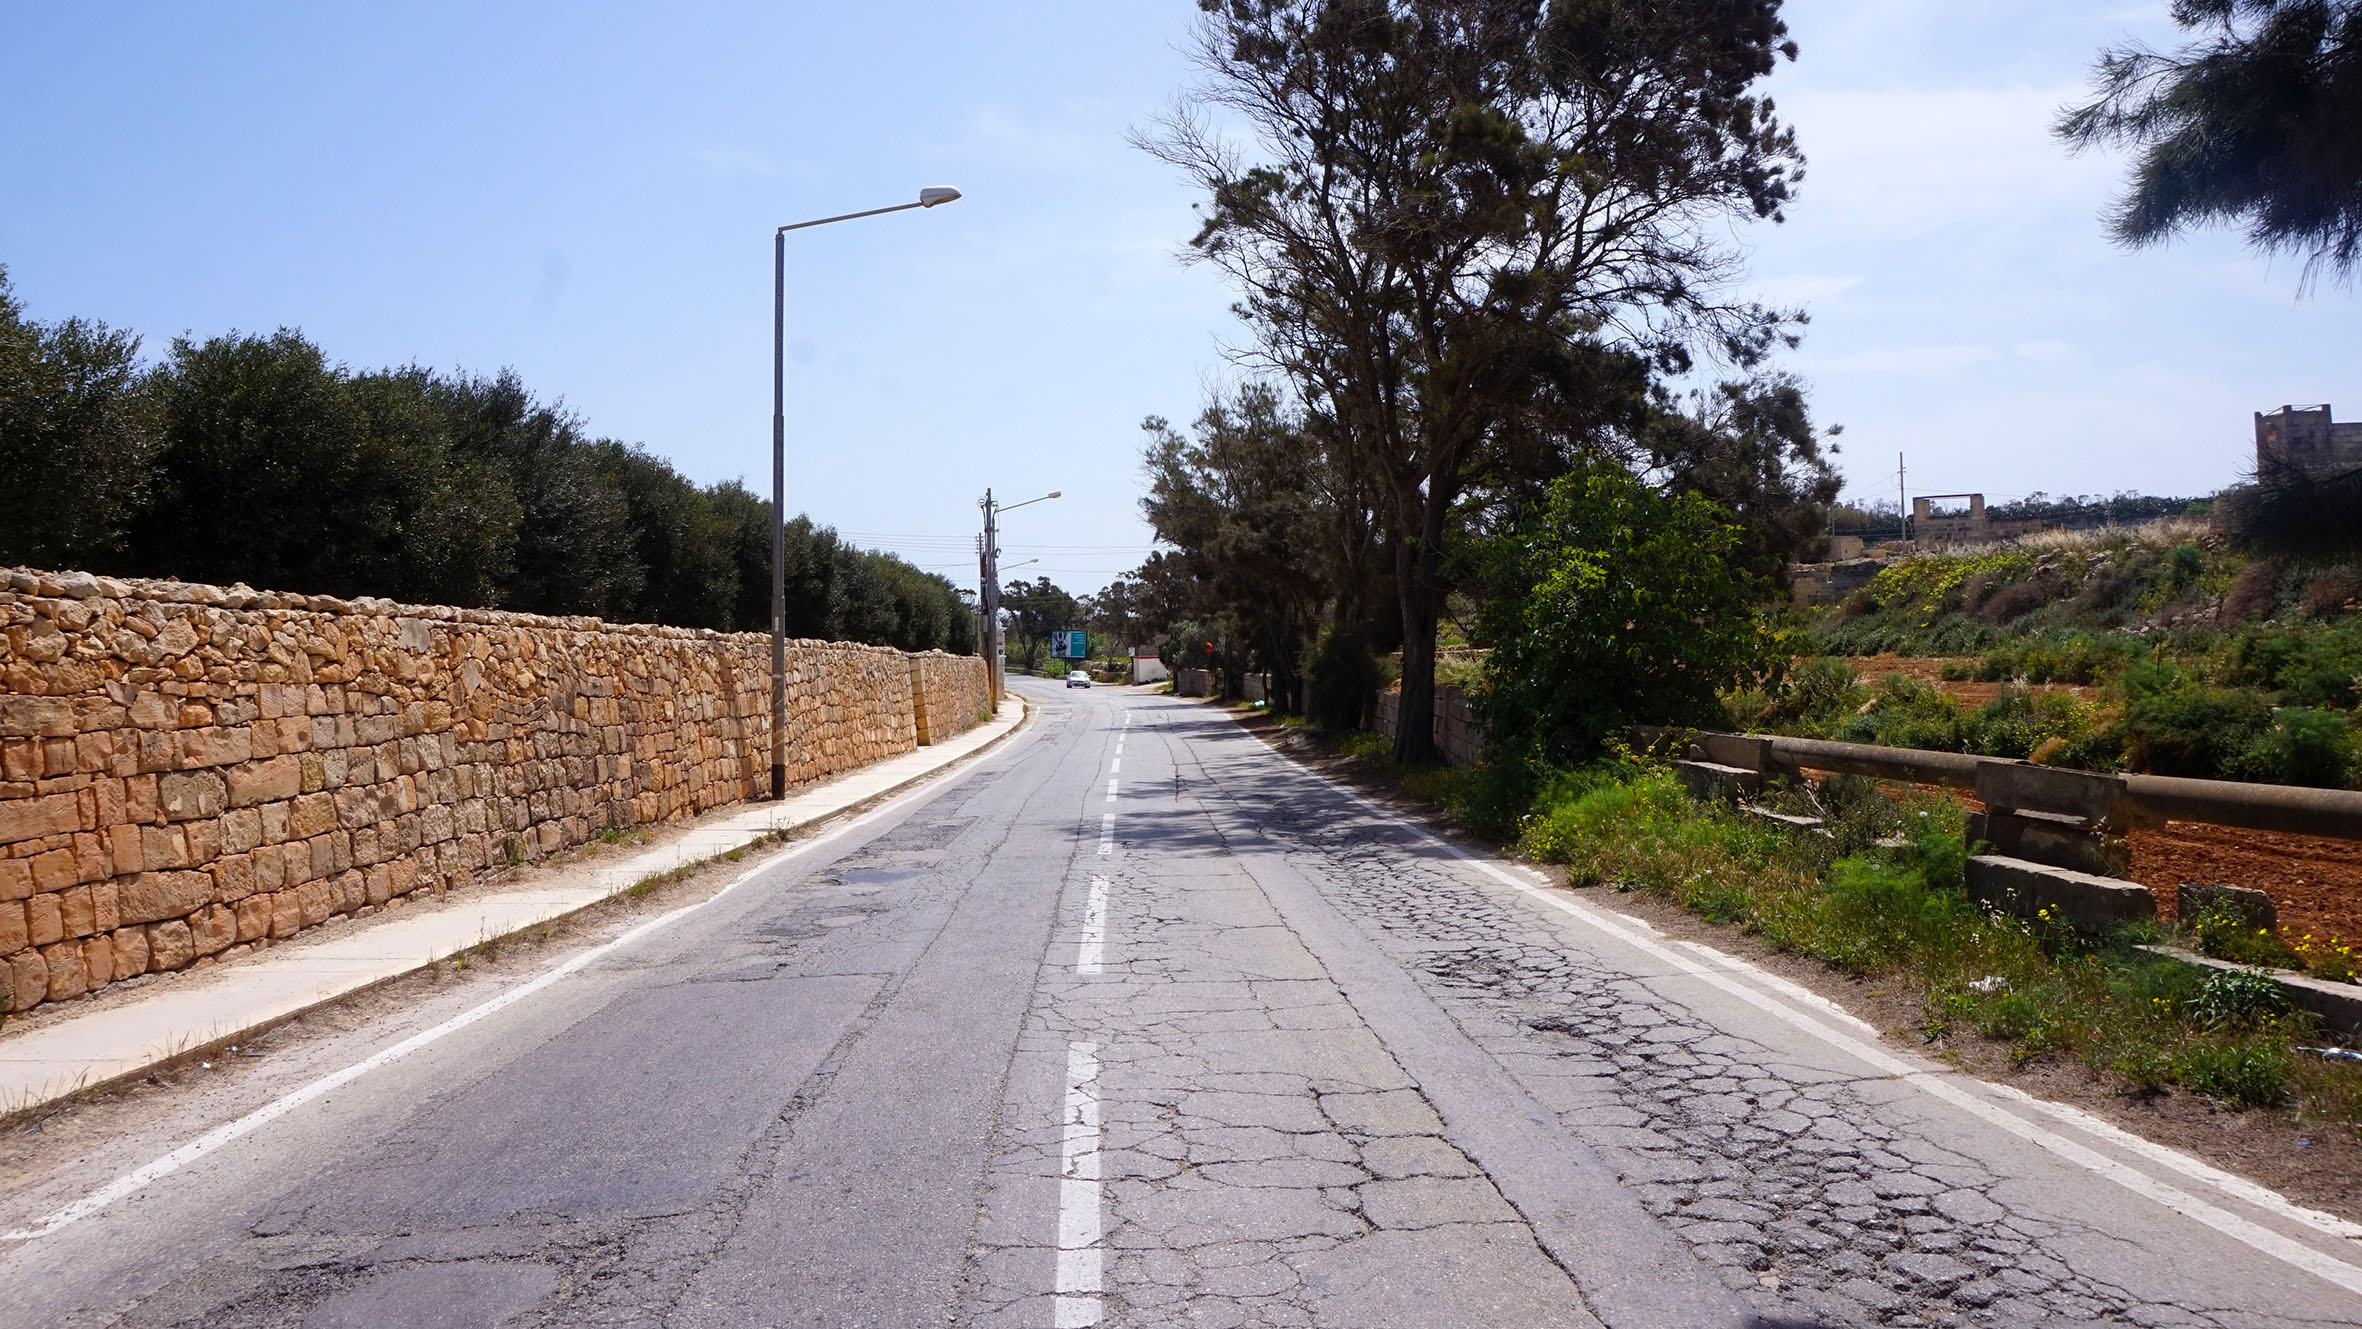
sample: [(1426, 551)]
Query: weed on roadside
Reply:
[(1877, 893)]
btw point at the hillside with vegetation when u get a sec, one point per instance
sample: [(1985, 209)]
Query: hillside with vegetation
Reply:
[(2158, 649)]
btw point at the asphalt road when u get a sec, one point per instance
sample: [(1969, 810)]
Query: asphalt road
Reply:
[(1136, 1023)]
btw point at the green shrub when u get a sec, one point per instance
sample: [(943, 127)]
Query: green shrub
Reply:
[(2017, 722), (2317, 666), (2081, 658), (1819, 689), (2184, 565), (2304, 747), (2175, 724), (2237, 999), (1612, 603), (1869, 915), (1341, 679), (2246, 1072), (2224, 933)]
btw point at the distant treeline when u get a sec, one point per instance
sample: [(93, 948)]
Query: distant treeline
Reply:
[(1881, 519), (256, 459)]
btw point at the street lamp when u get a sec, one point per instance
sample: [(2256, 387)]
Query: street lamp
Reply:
[(992, 583), (928, 198)]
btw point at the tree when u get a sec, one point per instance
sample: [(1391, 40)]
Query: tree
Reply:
[(1036, 609), (453, 518), (575, 551), (1611, 604), (1463, 204), (76, 438), (256, 459), (679, 538), (1751, 448), (1237, 497), (2256, 119)]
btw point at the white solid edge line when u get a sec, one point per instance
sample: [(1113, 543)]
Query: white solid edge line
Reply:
[(2197, 1169), (141, 1178), (1940, 1086)]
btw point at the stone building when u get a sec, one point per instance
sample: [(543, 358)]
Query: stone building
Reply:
[(2306, 440)]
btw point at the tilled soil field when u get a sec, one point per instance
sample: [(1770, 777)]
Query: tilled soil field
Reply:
[(2316, 884), (1930, 669)]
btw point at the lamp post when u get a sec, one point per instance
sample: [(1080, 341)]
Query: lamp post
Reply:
[(928, 198), (991, 590)]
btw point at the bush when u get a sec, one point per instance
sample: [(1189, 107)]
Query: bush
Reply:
[(2304, 747), (2238, 999), (2249, 1072), (1907, 713), (2224, 933), (2306, 666), (2017, 722), (1820, 689), (2079, 658), (1614, 604), (1872, 914), (2175, 724)]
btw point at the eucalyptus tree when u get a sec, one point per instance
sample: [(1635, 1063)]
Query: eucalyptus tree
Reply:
[(1450, 206)]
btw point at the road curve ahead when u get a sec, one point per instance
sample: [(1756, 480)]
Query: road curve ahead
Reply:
[(1135, 1023)]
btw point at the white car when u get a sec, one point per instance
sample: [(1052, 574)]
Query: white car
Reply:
[(1078, 679)]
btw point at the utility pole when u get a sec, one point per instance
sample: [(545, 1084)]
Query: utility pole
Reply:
[(1903, 498), (990, 594), (990, 591)]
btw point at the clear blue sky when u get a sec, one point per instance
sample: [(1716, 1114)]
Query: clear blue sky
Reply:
[(586, 193)]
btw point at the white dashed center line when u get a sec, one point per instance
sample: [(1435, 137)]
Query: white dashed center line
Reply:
[(1106, 835), (1094, 944), (1078, 1282)]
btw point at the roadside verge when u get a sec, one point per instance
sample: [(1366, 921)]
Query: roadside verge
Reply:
[(193, 1013)]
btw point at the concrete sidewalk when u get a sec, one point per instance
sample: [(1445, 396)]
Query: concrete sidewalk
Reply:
[(192, 1010)]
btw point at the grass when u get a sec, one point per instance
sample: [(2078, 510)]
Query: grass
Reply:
[(2143, 1021), (1437, 782)]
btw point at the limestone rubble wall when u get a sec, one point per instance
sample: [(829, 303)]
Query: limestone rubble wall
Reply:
[(952, 693), (188, 772)]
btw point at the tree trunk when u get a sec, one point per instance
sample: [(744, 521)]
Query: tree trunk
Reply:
[(1414, 736)]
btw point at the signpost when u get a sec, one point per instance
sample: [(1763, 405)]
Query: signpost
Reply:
[(1070, 645)]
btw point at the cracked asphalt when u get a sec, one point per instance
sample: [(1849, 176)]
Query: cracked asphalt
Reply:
[(1249, 1053)]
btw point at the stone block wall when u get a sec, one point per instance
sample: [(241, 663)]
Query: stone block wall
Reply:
[(1457, 735), (951, 693), (190, 771)]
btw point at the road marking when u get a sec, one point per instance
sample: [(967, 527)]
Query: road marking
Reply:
[(1944, 1086), (2259, 1196), (1118, 764), (1079, 1274), (141, 1178), (1088, 955), (1111, 790), (1106, 835)]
